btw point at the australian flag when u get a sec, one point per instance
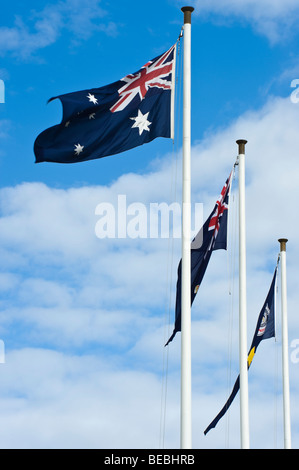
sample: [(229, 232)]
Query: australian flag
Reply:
[(212, 236), (105, 121), (265, 328)]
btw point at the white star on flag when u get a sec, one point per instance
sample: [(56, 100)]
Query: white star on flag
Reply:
[(141, 122), (78, 149), (92, 98)]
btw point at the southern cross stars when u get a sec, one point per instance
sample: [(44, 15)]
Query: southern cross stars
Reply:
[(92, 98), (141, 122), (78, 149)]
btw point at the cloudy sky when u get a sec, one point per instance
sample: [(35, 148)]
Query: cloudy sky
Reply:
[(83, 319)]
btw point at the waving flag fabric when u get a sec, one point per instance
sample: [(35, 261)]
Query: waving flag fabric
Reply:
[(265, 328), (212, 236), (114, 118)]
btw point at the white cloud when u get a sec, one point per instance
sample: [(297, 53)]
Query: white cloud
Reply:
[(63, 287), (267, 8), (52, 400), (53, 216), (22, 42), (43, 28), (271, 158), (270, 18)]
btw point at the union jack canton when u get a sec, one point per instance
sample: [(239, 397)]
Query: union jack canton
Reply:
[(112, 119), (212, 236)]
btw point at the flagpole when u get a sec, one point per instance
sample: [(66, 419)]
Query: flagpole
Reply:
[(186, 424), (244, 408), (285, 353)]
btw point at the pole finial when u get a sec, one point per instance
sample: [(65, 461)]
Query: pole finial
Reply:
[(187, 14), (241, 143), (283, 242)]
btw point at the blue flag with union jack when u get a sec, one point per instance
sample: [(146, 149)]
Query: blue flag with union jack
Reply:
[(212, 236), (105, 121)]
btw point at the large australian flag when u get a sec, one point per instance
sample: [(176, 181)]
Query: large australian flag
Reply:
[(212, 236), (111, 119)]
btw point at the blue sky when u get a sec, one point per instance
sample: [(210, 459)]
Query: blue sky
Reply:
[(83, 320)]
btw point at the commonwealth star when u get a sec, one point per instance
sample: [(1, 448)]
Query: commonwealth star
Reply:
[(141, 122)]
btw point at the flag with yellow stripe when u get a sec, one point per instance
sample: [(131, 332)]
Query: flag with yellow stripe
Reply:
[(265, 328)]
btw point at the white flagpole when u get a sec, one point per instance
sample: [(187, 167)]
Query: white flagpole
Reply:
[(285, 353), (244, 409), (186, 424)]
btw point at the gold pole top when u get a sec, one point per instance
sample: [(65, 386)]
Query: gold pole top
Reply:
[(241, 143), (187, 14), (283, 242)]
